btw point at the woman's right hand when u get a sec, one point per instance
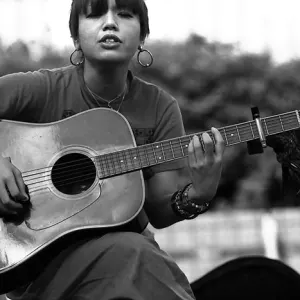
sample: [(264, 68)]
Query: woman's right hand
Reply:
[(12, 189)]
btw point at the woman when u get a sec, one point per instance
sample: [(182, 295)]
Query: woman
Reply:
[(127, 264)]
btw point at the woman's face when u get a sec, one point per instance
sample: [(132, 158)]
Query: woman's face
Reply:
[(112, 37)]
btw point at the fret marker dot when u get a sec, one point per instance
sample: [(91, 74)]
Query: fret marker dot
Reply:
[(232, 134), (122, 161), (134, 158)]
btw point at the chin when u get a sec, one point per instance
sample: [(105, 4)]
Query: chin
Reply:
[(114, 58)]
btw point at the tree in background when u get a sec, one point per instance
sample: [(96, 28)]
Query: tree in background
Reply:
[(215, 86)]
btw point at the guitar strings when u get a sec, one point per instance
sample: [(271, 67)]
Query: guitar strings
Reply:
[(111, 169), (31, 175), (243, 128)]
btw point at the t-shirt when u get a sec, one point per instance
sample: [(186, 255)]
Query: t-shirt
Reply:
[(50, 95)]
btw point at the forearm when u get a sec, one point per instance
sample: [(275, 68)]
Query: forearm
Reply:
[(165, 215), (161, 216)]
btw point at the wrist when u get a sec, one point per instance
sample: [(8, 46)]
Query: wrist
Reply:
[(194, 197), (186, 207)]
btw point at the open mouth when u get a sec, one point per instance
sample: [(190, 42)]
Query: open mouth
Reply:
[(110, 39)]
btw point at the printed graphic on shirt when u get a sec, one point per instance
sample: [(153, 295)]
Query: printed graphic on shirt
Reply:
[(143, 135)]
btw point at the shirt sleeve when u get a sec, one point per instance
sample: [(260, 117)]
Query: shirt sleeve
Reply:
[(20, 95), (169, 125)]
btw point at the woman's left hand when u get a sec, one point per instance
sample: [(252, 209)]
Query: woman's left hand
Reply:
[(205, 164)]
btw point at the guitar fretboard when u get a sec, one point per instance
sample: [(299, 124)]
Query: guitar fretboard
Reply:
[(132, 159)]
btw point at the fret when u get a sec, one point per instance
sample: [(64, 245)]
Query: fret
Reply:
[(252, 132), (181, 147), (225, 136), (158, 152), (127, 159), (101, 169), (151, 154), (144, 156), (107, 164), (172, 149), (266, 126), (238, 133), (246, 132), (111, 164), (131, 159), (123, 160), (118, 162), (298, 117), (115, 160), (232, 137), (186, 147), (281, 123), (163, 152), (139, 157), (177, 147), (167, 151), (273, 125), (135, 158), (147, 158), (290, 121), (154, 153)]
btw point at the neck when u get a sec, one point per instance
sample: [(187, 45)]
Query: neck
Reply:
[(105, 81)]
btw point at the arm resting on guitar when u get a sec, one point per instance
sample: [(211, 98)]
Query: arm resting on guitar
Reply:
[(159, 190)]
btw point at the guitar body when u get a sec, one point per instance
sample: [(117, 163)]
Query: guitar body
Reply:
[(42, 152)]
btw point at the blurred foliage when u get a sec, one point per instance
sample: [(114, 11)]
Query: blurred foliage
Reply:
[(215, 86)]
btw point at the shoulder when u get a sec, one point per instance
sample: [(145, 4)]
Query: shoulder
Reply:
[(36, 78), (154, 93), (63, 74)]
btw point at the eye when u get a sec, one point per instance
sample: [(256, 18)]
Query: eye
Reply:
[(92, 16), (125, 14)]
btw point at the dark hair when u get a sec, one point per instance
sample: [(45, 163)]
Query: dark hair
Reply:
[(137, 7)]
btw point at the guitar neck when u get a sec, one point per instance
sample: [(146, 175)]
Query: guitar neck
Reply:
[(136, 158)]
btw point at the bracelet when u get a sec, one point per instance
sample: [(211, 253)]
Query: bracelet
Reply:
[(184, 207)]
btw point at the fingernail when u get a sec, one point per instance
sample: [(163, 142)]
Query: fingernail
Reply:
[(25, 198)]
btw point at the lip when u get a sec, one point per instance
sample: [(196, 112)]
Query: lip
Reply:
[(110, 45), (110, 36)]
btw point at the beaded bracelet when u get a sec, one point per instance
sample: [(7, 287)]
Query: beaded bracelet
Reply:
[(184, 207)]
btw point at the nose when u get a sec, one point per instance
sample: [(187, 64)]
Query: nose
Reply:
[(110, 22)]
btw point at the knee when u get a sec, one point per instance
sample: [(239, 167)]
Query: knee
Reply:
[(127, 242)]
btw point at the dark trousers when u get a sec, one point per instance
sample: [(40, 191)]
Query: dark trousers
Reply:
[(119, 265)]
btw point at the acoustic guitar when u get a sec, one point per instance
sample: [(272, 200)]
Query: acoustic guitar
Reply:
[(84, 174)]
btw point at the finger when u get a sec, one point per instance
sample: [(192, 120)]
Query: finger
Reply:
[(22, 196), (219, 143), (5, 211), (209, 147), (14, 194), (7, 205), (191, 153), (198, 148)]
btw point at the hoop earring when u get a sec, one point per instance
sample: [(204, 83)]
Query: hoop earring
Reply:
[(76, 64), (141, 50)]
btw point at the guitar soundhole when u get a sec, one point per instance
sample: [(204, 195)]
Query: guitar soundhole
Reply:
[(73, 174)]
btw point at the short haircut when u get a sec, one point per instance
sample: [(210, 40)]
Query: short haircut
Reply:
[(137, 7)]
